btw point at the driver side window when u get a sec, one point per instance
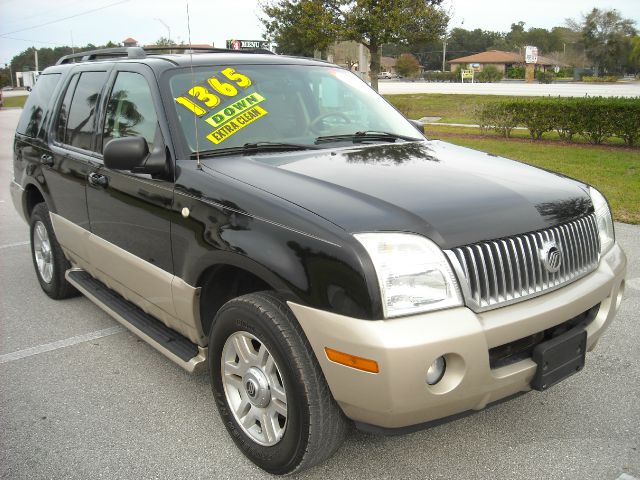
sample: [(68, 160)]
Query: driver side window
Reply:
[(130, 111)]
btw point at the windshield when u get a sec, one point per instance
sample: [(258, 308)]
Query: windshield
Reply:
[(222, 107)]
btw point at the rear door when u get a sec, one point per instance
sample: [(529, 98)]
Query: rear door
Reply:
[(73, 148), (31, 147)]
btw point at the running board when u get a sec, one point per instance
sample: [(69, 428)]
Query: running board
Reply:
[(170, 343)]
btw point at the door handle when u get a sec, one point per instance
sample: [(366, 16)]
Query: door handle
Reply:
[(98, 180), (47, 160)]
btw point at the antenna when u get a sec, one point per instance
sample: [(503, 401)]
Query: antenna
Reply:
[(193, 84)]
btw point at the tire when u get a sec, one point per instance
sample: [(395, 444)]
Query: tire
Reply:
[(42, 236), (314, 426)]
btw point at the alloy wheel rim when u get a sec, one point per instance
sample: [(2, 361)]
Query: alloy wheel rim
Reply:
[(254, 388), (42, 251)]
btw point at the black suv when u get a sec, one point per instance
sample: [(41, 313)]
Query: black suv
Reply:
[(277, 221)]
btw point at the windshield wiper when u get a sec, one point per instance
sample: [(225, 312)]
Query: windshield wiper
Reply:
[(256, 147), (365, 136)]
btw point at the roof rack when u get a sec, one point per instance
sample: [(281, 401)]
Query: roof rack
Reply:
[(140, 52)]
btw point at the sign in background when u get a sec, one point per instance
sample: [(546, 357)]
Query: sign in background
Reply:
[(531, 54), (247, 44)]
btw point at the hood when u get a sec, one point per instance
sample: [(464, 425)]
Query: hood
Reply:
[(453, 195)]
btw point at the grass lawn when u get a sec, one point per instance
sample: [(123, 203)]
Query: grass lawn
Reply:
[(452, 108), (613, 170), (15, 101)]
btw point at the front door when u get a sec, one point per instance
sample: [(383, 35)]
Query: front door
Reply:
[(129, 213)]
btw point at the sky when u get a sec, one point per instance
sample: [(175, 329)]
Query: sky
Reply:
[(98, 21)]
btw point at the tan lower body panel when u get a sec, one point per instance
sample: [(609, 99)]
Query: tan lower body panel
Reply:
[(196, 364), (404, 348), (160, 294)]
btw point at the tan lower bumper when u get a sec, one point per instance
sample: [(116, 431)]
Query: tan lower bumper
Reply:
[(398, 396)]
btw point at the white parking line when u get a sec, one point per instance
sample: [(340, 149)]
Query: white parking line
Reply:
[(18, 244), (48, 347), (625, 476)]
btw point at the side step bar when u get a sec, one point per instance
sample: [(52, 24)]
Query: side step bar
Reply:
[(170, 343)]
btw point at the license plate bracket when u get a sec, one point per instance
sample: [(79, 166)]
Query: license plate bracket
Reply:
[(559, 358)]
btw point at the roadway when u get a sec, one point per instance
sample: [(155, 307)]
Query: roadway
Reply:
[(621, 89)]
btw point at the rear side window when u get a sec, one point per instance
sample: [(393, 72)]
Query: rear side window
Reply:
[(130, 110), (77, 120), (36, 107)]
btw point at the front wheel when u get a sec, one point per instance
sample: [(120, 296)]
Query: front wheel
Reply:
[(269, 388)]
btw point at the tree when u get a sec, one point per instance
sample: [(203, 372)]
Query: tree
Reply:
[(634, 55), (25, 60), (5, 78), (375, 22), (516, 38), (606, 38), (301, 26), (407, 65), (164, 42)]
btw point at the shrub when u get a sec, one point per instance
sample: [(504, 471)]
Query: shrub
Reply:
[(407, 65), (440, 76), (497, 116), (517, 71), (545, 77), (565, 73), (537, 116), (625, 122), (489, 74), (605, 79), (595, 118), (566, 118), (594, 122)]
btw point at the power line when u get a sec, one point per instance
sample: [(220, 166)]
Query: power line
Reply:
[(45, 12), (32, 41), (64, 18)]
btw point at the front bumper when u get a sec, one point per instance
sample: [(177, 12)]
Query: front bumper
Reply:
[(398, 395)]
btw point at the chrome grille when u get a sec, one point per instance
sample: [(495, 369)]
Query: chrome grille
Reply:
[(507, 270)]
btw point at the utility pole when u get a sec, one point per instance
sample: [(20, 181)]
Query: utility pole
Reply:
[(35, 53), (167, 27), (444, 51), (168, 32), (8, 65)]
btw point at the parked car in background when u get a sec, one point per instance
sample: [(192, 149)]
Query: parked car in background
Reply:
[(387, 75)]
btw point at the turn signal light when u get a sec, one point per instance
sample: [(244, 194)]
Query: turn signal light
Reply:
[(352, 361)]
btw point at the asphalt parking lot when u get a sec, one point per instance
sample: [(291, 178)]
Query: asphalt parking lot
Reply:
[(80, 397)]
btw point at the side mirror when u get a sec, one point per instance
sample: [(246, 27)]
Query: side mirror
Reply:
[(418, 124), (132, 153), (127, 153)]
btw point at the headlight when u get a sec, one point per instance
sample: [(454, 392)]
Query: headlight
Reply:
[(413, 273), (603, 219)]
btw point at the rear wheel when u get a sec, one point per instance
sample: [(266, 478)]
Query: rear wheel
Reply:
[(269, 388), (48, 258)]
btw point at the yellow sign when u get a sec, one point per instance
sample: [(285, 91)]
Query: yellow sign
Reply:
[(234, 109), (467, 73), (239, 122)]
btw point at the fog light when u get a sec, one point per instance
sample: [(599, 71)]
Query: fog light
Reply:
[(436, 371)]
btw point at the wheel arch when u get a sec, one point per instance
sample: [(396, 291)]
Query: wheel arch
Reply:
[(32, 196), (222, 282)]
